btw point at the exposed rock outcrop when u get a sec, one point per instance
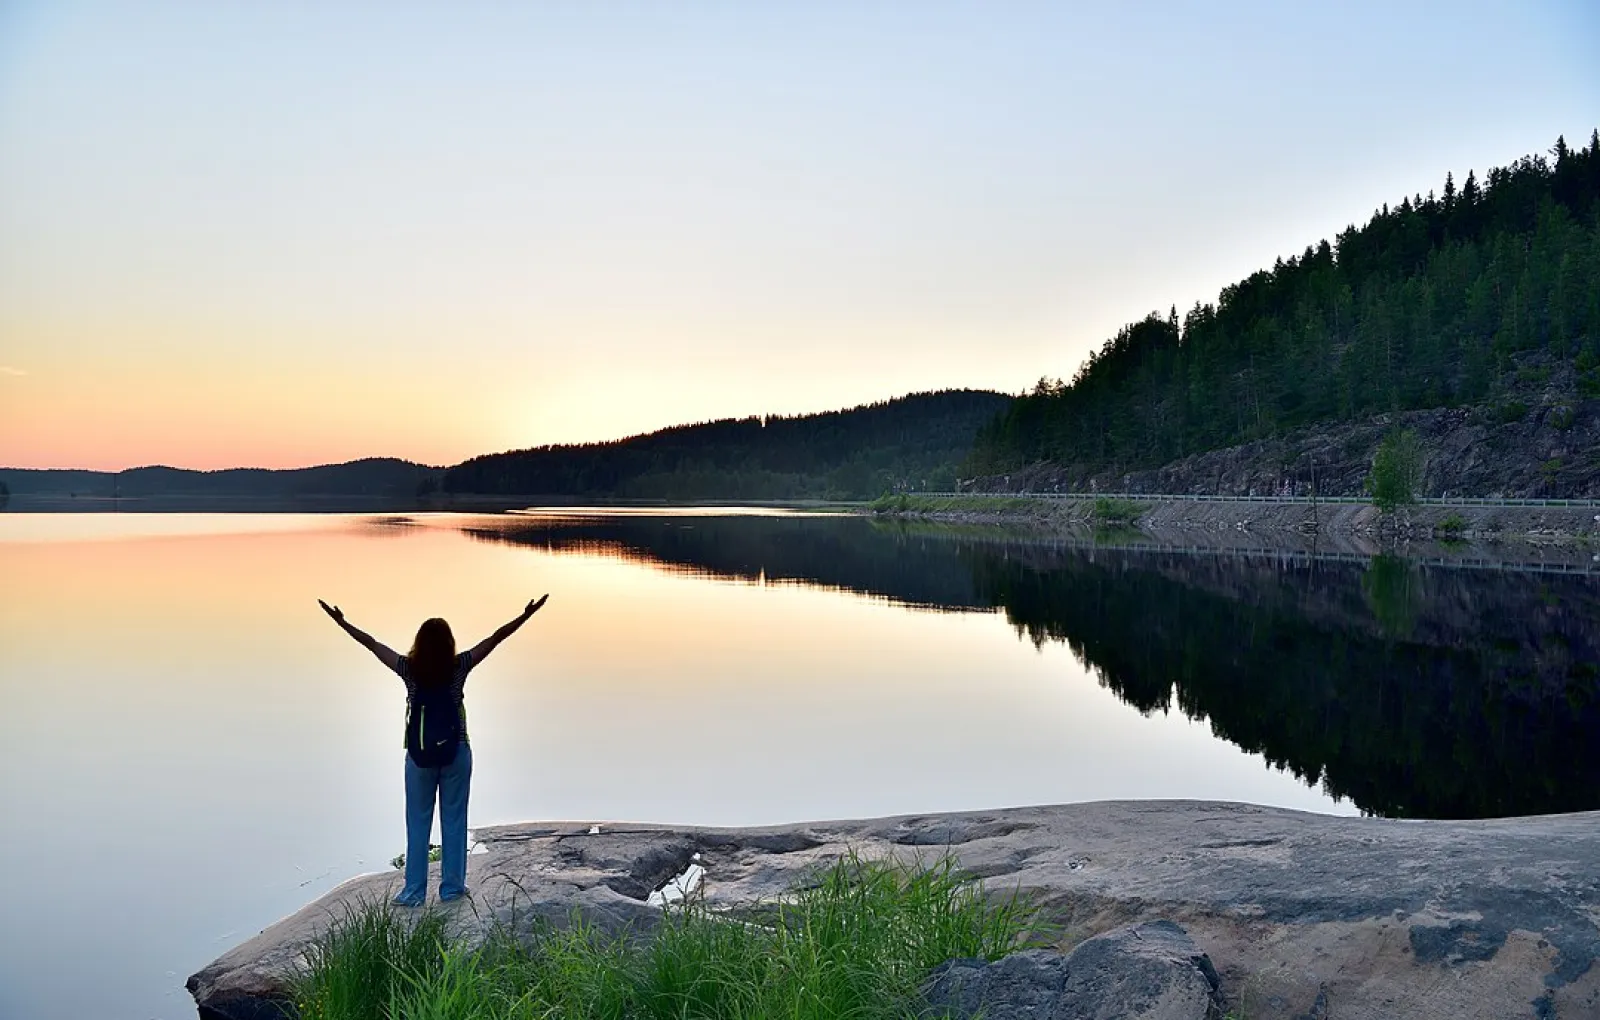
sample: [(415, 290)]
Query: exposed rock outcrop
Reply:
[(1541, 441), (1150, 971), (1386, 920)]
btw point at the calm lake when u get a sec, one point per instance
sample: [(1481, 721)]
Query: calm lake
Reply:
[(196, 750)]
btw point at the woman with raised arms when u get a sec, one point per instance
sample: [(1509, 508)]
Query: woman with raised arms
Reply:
[(438, 758)]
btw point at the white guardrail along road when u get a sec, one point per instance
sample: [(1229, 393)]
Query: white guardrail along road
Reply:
[(1154, 497)]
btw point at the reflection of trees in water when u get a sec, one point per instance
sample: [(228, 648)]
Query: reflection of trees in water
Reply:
[(1486, 707), (840, 552), (1413, 692), (1391, 591)]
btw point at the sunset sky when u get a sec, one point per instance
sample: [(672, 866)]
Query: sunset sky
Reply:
[(284, 234)]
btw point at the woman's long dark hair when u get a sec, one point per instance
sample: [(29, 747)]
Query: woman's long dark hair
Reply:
[(433, 654)]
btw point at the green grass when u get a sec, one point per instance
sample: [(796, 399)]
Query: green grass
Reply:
[(854, 941), (351, 969), (1115, 513), (435, 854), (914, 503)]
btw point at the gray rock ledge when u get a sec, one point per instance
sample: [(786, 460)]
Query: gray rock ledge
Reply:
[(1149, 971), (1301, 914)]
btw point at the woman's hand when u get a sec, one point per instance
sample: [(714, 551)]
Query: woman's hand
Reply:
[(385, 654), (481, 650)]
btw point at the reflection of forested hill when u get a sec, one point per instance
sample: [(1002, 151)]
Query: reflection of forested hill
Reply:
[(850, 553), (1385, 597), (1414, 692), (1436, 694)]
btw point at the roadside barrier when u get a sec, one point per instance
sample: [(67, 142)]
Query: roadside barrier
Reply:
[(1152, 497)]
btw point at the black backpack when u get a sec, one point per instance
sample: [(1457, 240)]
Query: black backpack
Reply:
[(433, 727)]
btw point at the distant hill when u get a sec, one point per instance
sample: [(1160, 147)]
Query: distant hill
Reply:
[(913, 441), (374, 476), (1484, 295)]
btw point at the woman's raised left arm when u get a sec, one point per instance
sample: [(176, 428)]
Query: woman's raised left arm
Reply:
[(386, 655)]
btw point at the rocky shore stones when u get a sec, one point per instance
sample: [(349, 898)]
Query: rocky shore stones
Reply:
[(1149, 971)]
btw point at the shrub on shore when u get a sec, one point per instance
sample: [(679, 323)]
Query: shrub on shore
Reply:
[(856, 941), (1451, 527), (1116, 513)]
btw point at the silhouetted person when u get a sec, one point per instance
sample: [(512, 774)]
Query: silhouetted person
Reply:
[(438, 760)]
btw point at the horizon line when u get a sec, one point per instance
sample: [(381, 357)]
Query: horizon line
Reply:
[(519, 449)]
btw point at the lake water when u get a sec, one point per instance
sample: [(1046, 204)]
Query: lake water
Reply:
[(196, 750)]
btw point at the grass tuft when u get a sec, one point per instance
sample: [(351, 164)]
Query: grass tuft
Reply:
[(435, 855), (854, 941), (976, 503), (1454, 524), (354, 969)]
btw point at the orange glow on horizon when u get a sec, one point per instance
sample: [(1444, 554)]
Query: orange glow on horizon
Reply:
[(234, 413), (115, 416), (257, 387)]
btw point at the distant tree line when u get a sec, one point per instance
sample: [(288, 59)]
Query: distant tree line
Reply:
[(911, 443), (914, 442), (373, 476), (1427, 305)]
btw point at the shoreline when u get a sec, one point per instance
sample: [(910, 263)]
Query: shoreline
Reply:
[(1299, 523), (1379, 918), (25, 503)]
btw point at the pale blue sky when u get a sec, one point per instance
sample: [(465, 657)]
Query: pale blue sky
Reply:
[(285, 233)]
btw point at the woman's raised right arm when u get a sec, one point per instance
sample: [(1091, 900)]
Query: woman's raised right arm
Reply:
[(488, 644), (385, 654)]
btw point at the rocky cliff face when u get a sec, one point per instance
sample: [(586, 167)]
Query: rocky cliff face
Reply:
[(1540, 437)]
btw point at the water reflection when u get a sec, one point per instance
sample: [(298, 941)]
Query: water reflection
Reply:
[(843, 553), (1414, 691)]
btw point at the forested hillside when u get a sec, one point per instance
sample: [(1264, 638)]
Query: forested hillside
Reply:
[(915, 441), (374, 476), (1432, 303)]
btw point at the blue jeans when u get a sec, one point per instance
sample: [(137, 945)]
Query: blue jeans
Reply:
[(449, 784)]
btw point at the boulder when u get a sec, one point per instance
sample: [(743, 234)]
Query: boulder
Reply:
[(1149, 971)]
